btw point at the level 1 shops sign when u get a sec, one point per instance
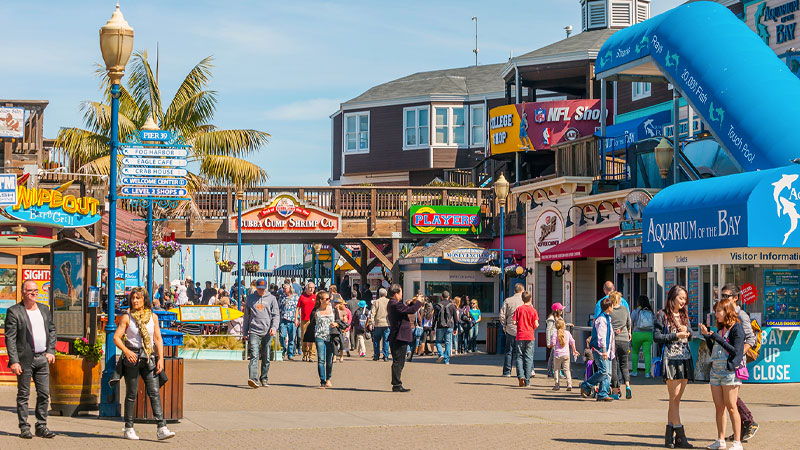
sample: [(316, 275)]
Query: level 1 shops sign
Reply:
[(445, 219), (469, 255), (286, 214), (548, 230), (52, 206)]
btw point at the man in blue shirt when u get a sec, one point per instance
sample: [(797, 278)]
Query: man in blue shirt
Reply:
[(290, 319), (607, 289)]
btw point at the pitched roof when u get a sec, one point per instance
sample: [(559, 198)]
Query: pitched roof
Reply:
[(587, 40), (438, 249), (473, 80)]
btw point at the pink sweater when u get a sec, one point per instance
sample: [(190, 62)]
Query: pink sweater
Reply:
[(568, 340)]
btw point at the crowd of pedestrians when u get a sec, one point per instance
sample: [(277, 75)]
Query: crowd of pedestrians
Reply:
[(326, 325)]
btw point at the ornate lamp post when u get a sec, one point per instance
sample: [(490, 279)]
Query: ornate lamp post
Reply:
[(317, 248), (664, 156), (501, 192), (116, 44)]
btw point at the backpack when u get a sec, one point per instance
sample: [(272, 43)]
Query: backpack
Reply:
[(752, 354), (644, 320), (363, 318)]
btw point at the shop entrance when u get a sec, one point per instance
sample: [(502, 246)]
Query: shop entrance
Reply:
[(605, 272)]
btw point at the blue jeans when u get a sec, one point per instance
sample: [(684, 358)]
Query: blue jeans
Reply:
[(511, 355), (258, 347), (602, 376), (287, 331), (444, 336), (324, 360), (380, 334), (415, 339), (472, 345), (524, 360)]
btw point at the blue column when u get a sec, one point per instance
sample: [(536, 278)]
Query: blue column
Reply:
[(239, 251), (502, 256), (109, 396), (193, 264), (150, 249)]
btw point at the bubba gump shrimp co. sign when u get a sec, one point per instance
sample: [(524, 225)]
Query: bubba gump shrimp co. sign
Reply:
[(286, 214)]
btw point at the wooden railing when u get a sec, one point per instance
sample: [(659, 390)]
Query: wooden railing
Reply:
[(354, 202)]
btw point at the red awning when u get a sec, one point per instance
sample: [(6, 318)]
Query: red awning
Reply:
[(589, 244)]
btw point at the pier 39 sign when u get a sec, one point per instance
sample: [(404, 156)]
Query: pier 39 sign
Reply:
[(286, 214)]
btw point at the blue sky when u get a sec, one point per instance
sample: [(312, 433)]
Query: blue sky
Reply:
[(281, 67)]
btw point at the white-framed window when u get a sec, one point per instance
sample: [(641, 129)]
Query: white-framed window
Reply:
[(640, 90), (450, 125), (416, 127), (356, 132), (477, 121)]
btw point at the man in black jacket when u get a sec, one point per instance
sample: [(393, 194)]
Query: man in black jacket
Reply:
[(400, 332), (31, 343)]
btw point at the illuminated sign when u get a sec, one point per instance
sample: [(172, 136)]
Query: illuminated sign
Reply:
[(54, 207), (445, 219), (286, 214)]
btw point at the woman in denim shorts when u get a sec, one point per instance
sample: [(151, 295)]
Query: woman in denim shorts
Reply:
[(727, 350)]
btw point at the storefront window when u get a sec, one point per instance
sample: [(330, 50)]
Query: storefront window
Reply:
[(38, 259), (8, 284), (483, 292), (7, 259)]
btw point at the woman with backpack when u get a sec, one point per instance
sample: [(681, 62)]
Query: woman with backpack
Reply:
[(464, 323), (360, 320), (642, 319), (621, 321), (428, 334)]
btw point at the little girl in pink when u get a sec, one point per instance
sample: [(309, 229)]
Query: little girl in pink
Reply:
[(562, 342)]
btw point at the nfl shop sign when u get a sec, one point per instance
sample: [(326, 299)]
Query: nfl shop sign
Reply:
[(540, 125), (548, 231), (286, 214)]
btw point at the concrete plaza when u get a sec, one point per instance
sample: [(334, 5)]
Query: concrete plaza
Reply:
[(463, 405)]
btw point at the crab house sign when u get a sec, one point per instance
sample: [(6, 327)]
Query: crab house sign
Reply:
[(286, 214)]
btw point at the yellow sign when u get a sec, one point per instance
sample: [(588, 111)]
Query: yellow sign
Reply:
[(52, 206), (504, 129)]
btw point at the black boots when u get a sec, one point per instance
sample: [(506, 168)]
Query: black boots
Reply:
[(680, 438), (668, 439)]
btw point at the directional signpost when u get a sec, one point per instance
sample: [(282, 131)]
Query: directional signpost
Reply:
[(154, 173)]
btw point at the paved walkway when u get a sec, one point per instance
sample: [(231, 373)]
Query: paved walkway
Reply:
[(463, 405)]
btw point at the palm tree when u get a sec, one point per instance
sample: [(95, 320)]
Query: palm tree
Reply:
[(219, 152)]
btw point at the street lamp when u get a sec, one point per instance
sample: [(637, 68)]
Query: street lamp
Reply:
[(217, 256), (239, 198), (317, 248), (664, 155), (116, 44), (501, 192)]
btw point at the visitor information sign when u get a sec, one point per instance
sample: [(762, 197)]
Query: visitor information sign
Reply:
[(154, 167)]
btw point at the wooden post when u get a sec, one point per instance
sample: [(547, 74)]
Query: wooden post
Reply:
[(337, 200), (373, 209), (362, 269), (444, 197), (395, 265)]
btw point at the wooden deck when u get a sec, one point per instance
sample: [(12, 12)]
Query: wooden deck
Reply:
[(367, 212)]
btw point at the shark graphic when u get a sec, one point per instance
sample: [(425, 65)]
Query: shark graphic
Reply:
[(674, 58), (644, 43), (789, 208), (716, 114), (761, 29), (606, 58), (785, 182)]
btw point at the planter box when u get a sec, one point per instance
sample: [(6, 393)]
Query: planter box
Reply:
[(74, 385)]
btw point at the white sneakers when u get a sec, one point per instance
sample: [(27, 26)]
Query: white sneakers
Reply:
[(164, 433), (128, 433), (717, 445), (737, 445)]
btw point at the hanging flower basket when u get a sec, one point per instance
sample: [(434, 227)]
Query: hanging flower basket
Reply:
[(490, 271), (251, 266), (166, 249), (131, 249), (225, 265)]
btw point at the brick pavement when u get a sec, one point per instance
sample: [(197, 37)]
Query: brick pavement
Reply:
[(463, 405)]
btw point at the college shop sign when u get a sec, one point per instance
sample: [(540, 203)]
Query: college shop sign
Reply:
[(52, 206), (445, 219), (286, 214)]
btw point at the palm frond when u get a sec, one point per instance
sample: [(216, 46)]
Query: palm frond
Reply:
[(224, 169), (143, 85), (82, 146), (129, 106), (236, 143), (97, 118), (97, 166), (193, 113), (194, 83)]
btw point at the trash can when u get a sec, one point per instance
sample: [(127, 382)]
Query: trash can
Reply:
[(491, 337), (172, 391), (501, 339)]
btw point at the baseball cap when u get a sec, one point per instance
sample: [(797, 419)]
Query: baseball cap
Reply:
[(261, 283), (557, 306), (362, 304), (337, 300)]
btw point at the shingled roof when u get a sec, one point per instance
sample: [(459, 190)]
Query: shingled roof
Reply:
[(437, 249), (583, 45), (473, 80)]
